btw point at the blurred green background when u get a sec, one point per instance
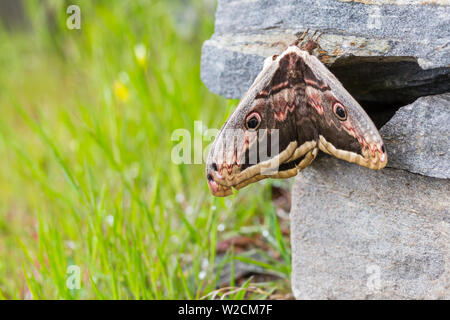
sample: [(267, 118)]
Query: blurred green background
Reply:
[(86, 177)]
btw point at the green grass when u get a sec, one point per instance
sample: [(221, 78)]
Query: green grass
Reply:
[(86, 176)]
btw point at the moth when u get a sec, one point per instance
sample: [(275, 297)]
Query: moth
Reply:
[(294, 108)]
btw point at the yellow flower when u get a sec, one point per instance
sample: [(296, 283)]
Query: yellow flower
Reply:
[(121, 92), (140, 52)]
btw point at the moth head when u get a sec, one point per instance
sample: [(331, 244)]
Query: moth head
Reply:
[(345, 130)]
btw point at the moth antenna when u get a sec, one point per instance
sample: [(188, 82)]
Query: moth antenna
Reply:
[(300, 39), (312, 37), (317, 38)]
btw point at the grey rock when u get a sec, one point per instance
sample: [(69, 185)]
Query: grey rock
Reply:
[(219, 69), (389, 51), (417, 138), (363, 234)]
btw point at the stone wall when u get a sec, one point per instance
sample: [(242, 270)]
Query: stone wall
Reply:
[(358, 233)]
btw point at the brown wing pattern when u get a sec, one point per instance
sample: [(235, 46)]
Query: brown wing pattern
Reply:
[(296, 97)]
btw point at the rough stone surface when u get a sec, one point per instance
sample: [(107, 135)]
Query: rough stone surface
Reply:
[(350, 224), (382, 50), (363, 234), (417, 138)]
